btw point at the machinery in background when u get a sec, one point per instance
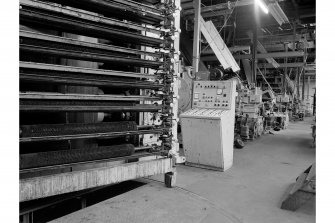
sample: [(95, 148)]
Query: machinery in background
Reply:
[(259, 111), (208, 128), (306, 107), (218, 73), (249, 115), (281, 111)]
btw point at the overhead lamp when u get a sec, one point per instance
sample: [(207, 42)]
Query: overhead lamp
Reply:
[(263, 6), (278, 13)]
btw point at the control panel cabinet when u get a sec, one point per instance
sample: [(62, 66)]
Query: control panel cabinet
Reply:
[(212, 94), (208, 128)]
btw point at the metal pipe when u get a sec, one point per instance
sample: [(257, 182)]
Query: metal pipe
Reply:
[(285, 70), (87, 108), (303, 76), (196, 36), (83, 97), (308, 86), (254, 45), (90, 136)]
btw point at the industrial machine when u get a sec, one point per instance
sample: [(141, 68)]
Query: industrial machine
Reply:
[(97, 77), (249, 119), (208, 128)]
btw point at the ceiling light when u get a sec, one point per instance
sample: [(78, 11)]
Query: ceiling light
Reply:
[(263, 6), (278, 13)]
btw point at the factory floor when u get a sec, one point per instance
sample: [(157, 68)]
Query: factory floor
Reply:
[(251, 191)]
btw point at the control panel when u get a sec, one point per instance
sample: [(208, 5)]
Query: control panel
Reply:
[(212, 94)]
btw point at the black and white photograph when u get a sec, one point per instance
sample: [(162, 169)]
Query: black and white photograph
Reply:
[(166, 111)]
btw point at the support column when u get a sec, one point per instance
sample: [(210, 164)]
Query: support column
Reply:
[(196, 36), (298, 82), (304, 74), (314, 103), (254, 44), (285, 70), (308, 86)]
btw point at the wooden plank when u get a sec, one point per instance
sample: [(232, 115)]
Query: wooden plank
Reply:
[(218, 46), (39, 187)]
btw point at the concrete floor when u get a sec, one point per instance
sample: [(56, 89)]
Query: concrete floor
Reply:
[(251, 191)]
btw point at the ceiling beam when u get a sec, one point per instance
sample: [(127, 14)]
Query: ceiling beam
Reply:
[(280, 47), (261, 56), (276, 39), (281, 65), (232, 49), (210, 14), (188, 7)]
